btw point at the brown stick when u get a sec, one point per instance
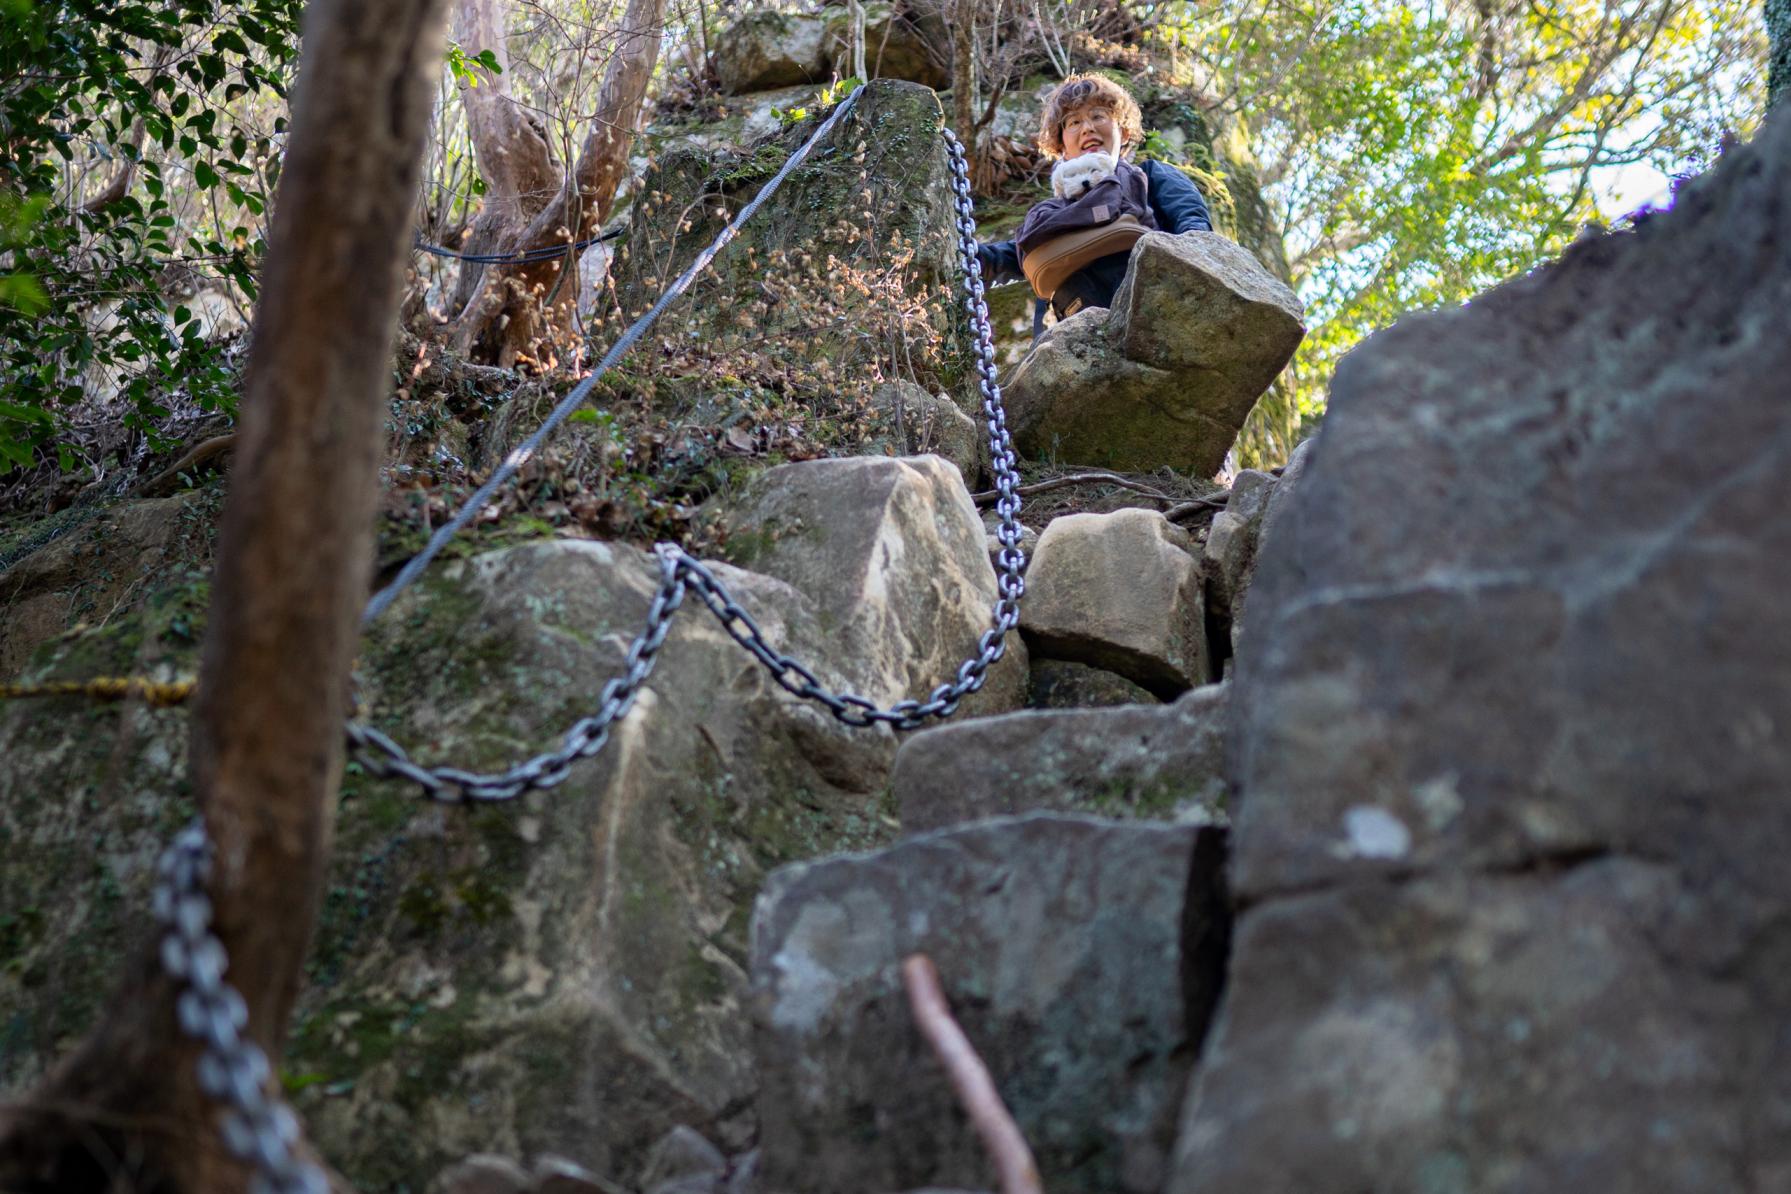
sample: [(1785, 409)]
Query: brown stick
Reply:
[(990, 496), (1017, 1172), (168, 480), (1203, 505)]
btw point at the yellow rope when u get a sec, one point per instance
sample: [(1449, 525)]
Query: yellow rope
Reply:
[(157, 693)]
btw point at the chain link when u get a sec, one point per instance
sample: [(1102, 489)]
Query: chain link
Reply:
[(679, 572), (259, 1129)]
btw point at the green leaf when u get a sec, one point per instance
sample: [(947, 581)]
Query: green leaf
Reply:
[(23, 293), (204, 175)]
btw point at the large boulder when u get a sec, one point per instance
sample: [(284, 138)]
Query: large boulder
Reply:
[(1513, 825), (1200, 302), (1158, 761), (88, 564), (872, 206), (566, 974), (1197, 333), (916, 423), (1079, 956), (764, 50), (1122, 592), (896, 45), (1063, 684), (893, 556)]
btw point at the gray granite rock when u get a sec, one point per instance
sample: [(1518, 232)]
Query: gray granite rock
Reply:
[(1061, 684), (920, 423), (553, 1174), (1160, 761), (561, 974), (1122, 592), (1512, 763), (764, 50), (482, 1173), (1079, 956), (1230, 549), (683, 1161), (897, 44), (1197, 333), (894, 556), (1200, 302), (88, 572)]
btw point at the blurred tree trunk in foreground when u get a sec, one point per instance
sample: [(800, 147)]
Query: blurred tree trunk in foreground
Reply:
[(123, 1110)]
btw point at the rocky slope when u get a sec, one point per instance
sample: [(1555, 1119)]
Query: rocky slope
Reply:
[(1420, 827)]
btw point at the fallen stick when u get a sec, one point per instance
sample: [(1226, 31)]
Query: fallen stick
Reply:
[(1017, 1172), (988, 497), (168, 481), (1197, 506)]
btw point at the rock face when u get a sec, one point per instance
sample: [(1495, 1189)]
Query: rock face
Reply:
[(97, 565), (1166, 762), (1512, 826), (766, 50), (896, 46), (1078, 957), (1060, 684), (1256, 505), (1119, 591), (770, 49), (919, 422), (1230, 549), (893, 556), (566, 975), (871, 206), (1197, 333)]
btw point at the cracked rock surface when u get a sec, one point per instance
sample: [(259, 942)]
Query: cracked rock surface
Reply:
[(1197, 333), (1080, 955), (1513, 765)]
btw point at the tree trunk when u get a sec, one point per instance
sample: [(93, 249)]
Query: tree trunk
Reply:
[(510, 143), (963, 75), (293, 564), (1778, 29), (524, 313)]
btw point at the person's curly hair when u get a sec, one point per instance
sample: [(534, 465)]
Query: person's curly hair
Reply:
[(1089, 91)]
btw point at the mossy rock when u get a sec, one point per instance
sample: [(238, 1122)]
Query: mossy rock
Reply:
[(844, 279)]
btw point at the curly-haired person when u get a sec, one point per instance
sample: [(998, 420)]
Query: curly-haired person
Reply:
[(1074, 247)]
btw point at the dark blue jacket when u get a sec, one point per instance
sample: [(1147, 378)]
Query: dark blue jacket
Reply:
[(1174, 200)]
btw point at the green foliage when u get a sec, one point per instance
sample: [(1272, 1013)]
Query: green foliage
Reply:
[(461, 64), (1416, 154), (157, 95)]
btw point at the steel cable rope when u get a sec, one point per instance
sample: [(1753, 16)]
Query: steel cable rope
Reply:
[(680, 572), (257, 1126), (522, 256), (571, 402)]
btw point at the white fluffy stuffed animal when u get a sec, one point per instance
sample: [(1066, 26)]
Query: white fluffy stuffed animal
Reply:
[(1072, 177)]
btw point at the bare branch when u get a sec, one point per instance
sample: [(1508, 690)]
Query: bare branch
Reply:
[(1017, 1172), (989, 497)]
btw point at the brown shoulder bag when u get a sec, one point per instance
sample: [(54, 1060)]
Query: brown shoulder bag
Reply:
[(1050, 265)]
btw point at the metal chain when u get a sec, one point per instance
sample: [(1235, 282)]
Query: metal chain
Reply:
[(679, 571), (384, 757), (259, 1129)]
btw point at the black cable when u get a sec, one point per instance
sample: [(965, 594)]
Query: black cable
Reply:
[(526, 257)]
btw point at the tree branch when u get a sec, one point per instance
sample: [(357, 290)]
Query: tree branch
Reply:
[(1017, 1171)]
